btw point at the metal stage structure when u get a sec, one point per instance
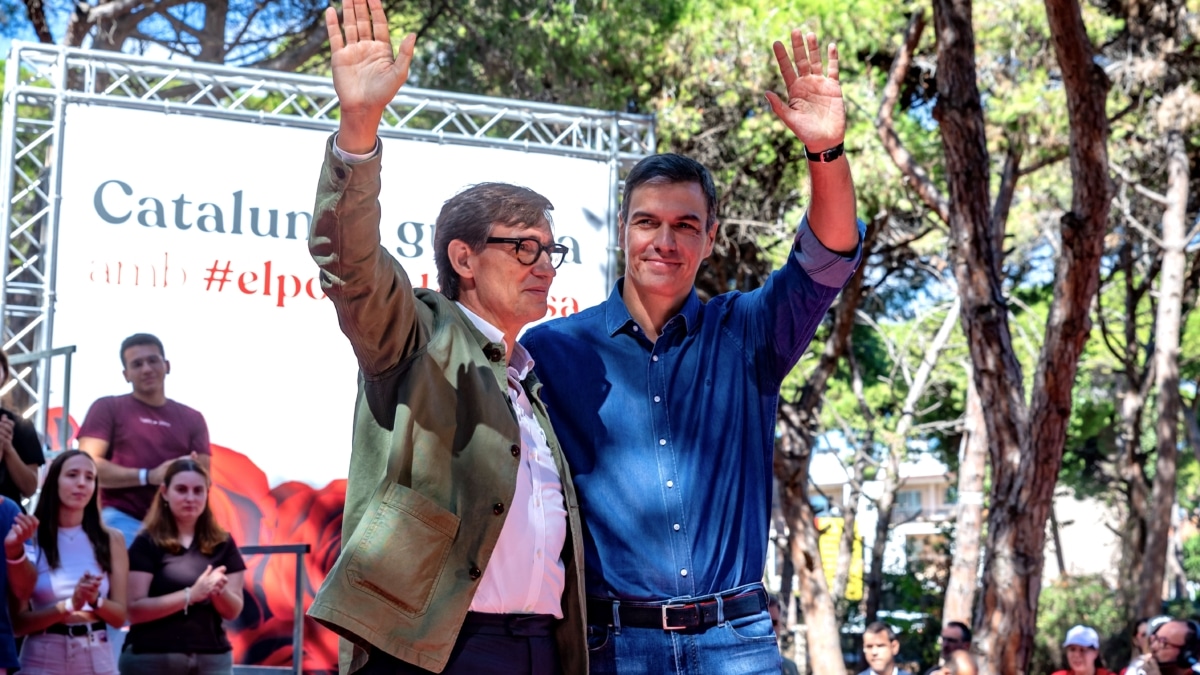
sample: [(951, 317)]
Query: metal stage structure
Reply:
[(42, 79)]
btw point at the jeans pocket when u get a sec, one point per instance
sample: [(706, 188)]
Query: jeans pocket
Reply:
[(753, 628), (597, 637), (403, 550), (101, 654)]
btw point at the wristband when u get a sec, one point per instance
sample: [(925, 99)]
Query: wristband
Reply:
[(17, 561), (143, 476), (99, 602), (187, 599), (825, 156), (69, 605)]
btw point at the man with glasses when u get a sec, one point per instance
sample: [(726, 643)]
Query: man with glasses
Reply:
[(956, 636), (1175, 646), (461, 530)]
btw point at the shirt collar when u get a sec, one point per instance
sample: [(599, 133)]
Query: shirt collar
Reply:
[(617, 316), (520, 360)]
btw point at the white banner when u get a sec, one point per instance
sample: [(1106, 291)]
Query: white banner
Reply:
[(195, 229)]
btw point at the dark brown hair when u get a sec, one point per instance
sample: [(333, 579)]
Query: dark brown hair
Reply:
[(138, 340), (47, 515), (668, 169), (160, 523), (469, 216)]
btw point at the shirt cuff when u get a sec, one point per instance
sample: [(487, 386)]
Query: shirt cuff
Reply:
[(352, 158), (826, 267)]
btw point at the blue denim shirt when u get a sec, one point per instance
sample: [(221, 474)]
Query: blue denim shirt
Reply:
[(670, 443)]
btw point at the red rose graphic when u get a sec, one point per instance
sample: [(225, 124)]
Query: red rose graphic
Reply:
[(291, 513)]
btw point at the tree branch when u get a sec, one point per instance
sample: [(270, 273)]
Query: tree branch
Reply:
[(1008, 187), (916, 175), (36, 9)]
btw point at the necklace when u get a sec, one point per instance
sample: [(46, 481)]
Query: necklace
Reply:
[(71, 533)]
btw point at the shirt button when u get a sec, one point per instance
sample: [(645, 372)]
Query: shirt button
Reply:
[(515, 450), (683, 573), (657, 399), (635, 328), (475, 573), (662, 441), (497, 508), (676, 526), (654, 358), (539, 553), (671, 483)]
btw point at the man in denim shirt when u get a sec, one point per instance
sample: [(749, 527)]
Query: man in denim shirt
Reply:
[(665, 406)]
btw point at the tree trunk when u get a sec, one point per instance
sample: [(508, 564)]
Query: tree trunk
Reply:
[(798, 423), (1025, 442), (883, 509), (964, 568), (1168, 324), (841, 577)]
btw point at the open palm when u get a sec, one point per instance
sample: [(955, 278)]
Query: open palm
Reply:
[(814, 110), (366, 75)]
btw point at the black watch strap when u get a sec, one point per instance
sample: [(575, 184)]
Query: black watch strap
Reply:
[(825, 155)]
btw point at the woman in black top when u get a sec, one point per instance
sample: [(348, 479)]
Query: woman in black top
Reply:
[(20, 450), (185, 577)]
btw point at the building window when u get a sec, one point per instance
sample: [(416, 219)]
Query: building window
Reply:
[(908, 504)]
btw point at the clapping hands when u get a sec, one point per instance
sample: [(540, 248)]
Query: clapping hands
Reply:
[(211, 582)]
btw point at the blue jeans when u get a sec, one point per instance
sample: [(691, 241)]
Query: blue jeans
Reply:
[(744, 646), (122, 522), (128, 526), (176, 664)]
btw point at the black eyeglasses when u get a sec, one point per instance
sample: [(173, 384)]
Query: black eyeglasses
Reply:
[(528, 249)]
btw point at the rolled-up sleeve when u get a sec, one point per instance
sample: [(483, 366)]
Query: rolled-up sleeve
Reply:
[(826, 267)]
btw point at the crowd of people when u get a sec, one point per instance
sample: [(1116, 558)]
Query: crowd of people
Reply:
[(1161, 645), (153, 558)]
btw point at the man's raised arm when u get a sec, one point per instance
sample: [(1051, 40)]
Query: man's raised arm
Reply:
[(816, 114), (366, 75)]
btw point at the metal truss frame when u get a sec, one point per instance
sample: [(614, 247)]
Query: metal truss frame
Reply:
[(41, 80)]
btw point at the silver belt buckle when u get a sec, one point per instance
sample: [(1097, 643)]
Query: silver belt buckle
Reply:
[(667, 626)]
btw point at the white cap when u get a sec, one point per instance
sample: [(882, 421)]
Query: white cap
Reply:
[(1082, 636)]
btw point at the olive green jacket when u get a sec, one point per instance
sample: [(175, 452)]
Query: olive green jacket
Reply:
[(436, 447)]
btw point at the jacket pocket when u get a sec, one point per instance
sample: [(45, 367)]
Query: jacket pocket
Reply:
[(403, 551)]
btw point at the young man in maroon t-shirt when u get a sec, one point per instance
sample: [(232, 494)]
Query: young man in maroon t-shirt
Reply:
[(135, 436)]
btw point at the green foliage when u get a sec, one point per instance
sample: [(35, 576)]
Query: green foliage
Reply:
[(1068, 602)]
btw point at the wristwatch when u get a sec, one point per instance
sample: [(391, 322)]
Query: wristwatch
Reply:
[(825, 156)]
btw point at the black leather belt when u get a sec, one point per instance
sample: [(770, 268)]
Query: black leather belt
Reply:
[(677, 616), (77, 629)]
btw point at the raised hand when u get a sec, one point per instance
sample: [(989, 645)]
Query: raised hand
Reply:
[(23, 527), (814, 111), (366, 74)]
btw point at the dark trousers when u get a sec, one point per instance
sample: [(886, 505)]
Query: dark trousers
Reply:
[(488, 644)]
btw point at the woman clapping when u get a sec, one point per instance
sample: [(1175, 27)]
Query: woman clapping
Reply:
[(82, 568), (185, 577)]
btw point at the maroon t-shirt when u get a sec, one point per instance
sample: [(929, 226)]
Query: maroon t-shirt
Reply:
[(142, 436)]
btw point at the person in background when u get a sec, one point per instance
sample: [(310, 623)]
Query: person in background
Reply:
[(956, 636), (1175, 646), (1140, 642), (1083, 653), (880, 647), (16, 578), (960, 663), (134, 437), (185, 577), (20, 450), (82, 570)]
